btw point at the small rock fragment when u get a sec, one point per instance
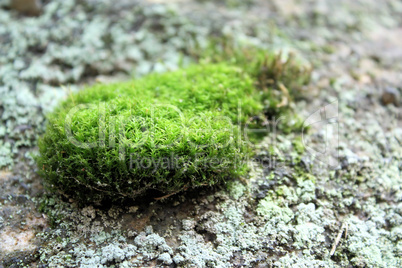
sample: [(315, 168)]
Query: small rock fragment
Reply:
[(390, 95), (27, 7)]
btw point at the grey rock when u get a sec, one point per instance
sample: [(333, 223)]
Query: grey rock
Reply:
[(390, 95), (27, 7)]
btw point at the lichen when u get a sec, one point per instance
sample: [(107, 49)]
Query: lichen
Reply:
[(236, 189)]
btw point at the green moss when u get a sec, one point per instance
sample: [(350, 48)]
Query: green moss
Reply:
[(280, 75), (298, 145), (281, 78), (164, 132)]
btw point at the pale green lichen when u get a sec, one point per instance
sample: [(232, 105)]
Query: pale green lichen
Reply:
[(370, 245), (271, 211), (236, 189)]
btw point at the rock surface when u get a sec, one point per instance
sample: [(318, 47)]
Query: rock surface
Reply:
[(345, 171), (27, 7)]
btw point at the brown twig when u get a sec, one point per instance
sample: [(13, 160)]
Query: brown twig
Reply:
[(285, 97), (168, 195), (338, 238)]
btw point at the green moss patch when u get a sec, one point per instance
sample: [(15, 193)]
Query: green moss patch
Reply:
[(165, 132)]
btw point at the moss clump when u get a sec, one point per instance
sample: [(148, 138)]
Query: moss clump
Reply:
[(281, 78), (164, 132)]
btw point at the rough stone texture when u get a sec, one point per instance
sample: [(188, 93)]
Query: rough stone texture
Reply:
[(287, 212), (27, 7), (390, 95)]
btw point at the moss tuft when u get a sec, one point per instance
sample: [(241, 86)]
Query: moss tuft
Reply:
[(164, 132)]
